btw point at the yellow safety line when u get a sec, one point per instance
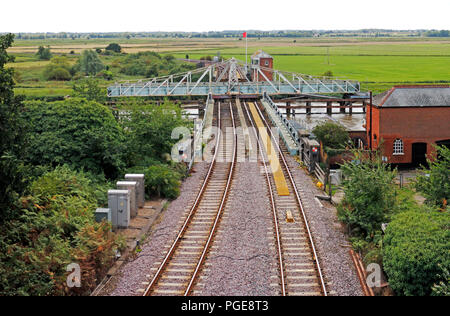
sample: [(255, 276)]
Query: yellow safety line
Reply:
[(280, 180)]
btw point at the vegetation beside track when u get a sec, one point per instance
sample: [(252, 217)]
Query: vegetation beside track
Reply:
[(57, 161), (413, 250)]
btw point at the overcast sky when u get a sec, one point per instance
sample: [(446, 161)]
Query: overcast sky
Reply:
[(202, 15)]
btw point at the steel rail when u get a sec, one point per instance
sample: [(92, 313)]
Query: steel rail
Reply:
[(272, 203), (219, 213), (164, 263), (297, 195)]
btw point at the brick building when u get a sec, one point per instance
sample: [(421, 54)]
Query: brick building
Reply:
[(407, 120), (261, 60)]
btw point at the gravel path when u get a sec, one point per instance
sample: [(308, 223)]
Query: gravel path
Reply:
[(329, 237), (243, 262), (129, 279)]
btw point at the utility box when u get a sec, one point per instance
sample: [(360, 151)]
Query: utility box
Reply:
[(336, 177), (140, 179), (132, 187), (119, 204), (103, 214)]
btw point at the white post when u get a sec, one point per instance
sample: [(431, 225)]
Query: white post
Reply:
[(246, 51)]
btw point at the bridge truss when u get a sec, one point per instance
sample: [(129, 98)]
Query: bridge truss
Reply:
[(229, 77)]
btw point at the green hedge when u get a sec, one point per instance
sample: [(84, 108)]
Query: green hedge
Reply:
[(415, 244), (83, 134)]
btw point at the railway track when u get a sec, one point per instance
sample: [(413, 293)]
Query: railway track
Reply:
[(179, 271), (299, 269)]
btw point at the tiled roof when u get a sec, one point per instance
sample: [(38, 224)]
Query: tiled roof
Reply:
[(261, 54), (414, 96)]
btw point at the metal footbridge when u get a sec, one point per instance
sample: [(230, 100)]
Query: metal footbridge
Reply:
[(229, 78)]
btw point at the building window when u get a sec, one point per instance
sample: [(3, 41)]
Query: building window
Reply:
[(398, 147)]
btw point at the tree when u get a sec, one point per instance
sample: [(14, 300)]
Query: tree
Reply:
[(149, 130), (114, 47), (58, 69), (12, 141), (89, 88), (434, 183), (369, 194), (89, 63), (83, 134), (44, 53), (333, 136)]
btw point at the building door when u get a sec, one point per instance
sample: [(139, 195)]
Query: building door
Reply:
[(419, 154), (445, 143)]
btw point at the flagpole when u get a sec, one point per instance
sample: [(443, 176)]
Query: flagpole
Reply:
[(246, 51)]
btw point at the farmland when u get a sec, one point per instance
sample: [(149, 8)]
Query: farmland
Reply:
[(377, 63)]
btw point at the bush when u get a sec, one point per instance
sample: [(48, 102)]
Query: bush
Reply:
[(83, 134), (63, 181), (89, 63), (59, 74), (44, 53), (332, 135), (53, 229), (58, 69), (149, 131), (90, 89), (415, 245), (114, 47), (369, 195), (151, 64), (160, 180), (436, 186), (443, 287)]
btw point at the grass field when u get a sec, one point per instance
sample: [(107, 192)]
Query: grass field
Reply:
[(377, 63)]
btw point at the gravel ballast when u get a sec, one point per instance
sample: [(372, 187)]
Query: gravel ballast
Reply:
[(244, 259), (329, 238), (129, 280)]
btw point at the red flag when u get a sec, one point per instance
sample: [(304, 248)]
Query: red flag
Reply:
[(245, 34)]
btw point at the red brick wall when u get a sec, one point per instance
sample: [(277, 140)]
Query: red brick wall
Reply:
[(269, 74), (412, 125)]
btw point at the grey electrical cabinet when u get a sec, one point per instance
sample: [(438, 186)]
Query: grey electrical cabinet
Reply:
[(119, 204), (140, 179), (132, 187), (103, 214)]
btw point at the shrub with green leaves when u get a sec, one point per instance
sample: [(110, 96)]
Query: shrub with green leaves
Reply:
[(55, 227), (436, 185), (160, 180), (149, 131), (443, 287), (89, 63), (58, 69), (415, 247), (83, 134), (90, 89), (44, 53), (369, 195), (151, 64), (333, 136)]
